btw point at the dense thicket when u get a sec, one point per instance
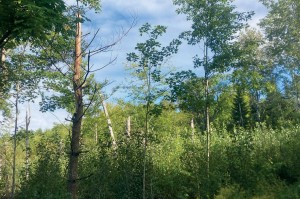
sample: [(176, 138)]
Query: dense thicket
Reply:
[(262, 163)]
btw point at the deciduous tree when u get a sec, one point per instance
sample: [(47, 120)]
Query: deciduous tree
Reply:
[(147, 64), (281, 26), (214, 24)]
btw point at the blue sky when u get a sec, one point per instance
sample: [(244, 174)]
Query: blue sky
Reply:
[(157, 12), (116, 15)]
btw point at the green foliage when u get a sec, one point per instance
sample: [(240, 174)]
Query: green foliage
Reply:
[(5, 173), (258, 163), (240, 110), (253, 64), (28, 20), (46, 178), (278, 110), (123, 172), (281, 26), (5, 108), (25, 71), (22, 69), (182, 85), (262, 93), (63, 97), (92, 4), (247, 163), (188, 92), (146, 64), (214, 23)]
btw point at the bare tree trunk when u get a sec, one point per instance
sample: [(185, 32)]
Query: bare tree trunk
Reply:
[(257, 107), (3, 56), (1, 165), (193, 129), (13, 185), (148, 71), (3, 70), (207, 114), (295, 88), (241, 115), (112, 135), (28, 117), (96, 133), (77, 117), (144, 167), (2, 60), (1, 162), (207, 125), (128, 127)]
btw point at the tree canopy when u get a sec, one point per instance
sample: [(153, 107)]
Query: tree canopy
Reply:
[(29, 20)]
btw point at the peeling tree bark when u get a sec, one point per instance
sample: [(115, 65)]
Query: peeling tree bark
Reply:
[(77, 117)]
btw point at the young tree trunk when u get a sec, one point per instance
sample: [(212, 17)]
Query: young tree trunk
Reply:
[(145, 161), (257, 107), (77, 117), (2, 60), (207, 121), (148, 72), (241, 122), (5, 173), (27, 122), (207, 124), (1, 165), (13, 185)]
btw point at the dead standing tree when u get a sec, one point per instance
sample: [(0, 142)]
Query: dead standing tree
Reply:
[(109, 124), (80, 73)]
